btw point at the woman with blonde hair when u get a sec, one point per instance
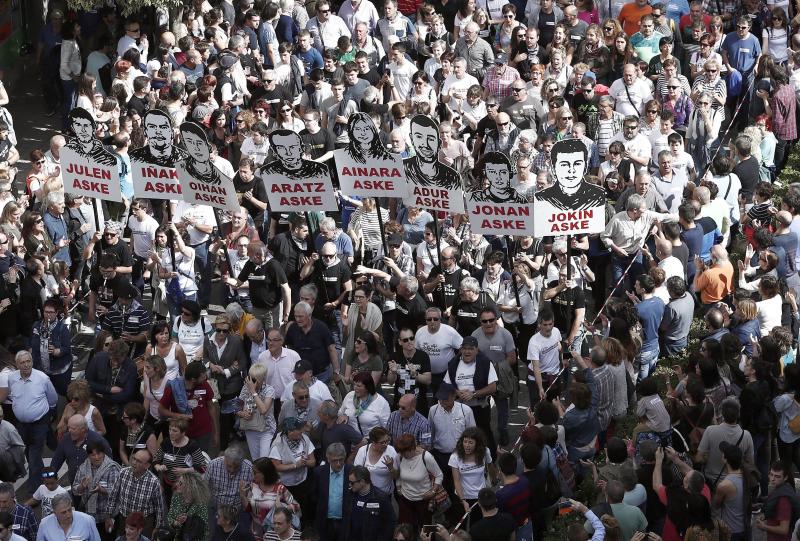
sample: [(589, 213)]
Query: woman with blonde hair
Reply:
[(153, 386), (256, 417), (188, 509), (10, 223), (79, 402)]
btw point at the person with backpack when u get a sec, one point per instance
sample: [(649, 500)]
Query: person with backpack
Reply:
[(782, 506), (189, 397)]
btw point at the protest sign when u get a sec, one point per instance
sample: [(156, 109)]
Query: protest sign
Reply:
[(365, 167), (153, 165), (432, 185), (497, 208), (201, 182), (571, 206), (294, 184), (88, 169)]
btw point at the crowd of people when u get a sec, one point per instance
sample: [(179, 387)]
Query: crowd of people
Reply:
[(363, 376)]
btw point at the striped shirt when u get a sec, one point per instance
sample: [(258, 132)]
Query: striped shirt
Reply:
[(366, 223), (606, 130), (133, 320), (715, 89)]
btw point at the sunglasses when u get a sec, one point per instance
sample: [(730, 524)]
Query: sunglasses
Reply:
[(328, 256), (302, 397), (503, 124), (432, 319), (652, 111), (224, 331), (492, 320), (609, 28), (673, 87), (406, 340), (515, 90)]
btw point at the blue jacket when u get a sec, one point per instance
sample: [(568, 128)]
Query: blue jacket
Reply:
[(321, 485), (56, 227), (61, 339), (75, 455), (372, 520)]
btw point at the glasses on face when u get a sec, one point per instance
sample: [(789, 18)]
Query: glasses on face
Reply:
[(432, 319), (656, 15), (406, 340), (328, 256), (673, 87), (517, 90), (112, 235), (553, 89), (359, 297), (302, 397), (652, 111), (608, 28), (705, 45), (223, 330), (566, 118), (324, 10), (631, 127), (503, 124), (709, 71), (490, 320), (286, 110), (38, 220), (491, 105)]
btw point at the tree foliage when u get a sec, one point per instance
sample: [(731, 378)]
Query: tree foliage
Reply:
[(128, 7)]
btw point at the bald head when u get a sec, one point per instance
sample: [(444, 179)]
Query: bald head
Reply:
[(784, 218), (408, 405)]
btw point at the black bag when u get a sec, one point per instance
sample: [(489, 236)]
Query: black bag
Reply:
[(192, 529), (552, 487)]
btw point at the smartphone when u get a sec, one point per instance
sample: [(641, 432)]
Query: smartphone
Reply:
[(429, 528)]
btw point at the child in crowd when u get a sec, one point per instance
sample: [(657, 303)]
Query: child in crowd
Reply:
[(48, 490)]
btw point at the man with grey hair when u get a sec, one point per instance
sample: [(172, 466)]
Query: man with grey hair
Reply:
[(65, 518), (56, 226), (330, 432), (328, 232), (440, 341), (625, 234), (226, 474), (280, 362), (313, 341), (465, 314), (32, 397), (410, 304), (331, 491), (72, 446), (301, 405), (25, 523), (642, 185), (476, 51)]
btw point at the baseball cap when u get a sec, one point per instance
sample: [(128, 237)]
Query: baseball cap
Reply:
[(444, 391), (469, 342), (501, 58), (302, 366)]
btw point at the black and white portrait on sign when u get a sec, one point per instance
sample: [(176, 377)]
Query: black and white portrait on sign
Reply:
[(425, 169), (572, 205), (198, 162), (293, 183), (159, 149), (83, 142), (289, 162), (496, 186), (570, 160), (365, 143)]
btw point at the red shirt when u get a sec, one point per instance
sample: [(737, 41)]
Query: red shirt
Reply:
[(670, 533), (199, 399), (686, 20), (783, 104), (784, 512)]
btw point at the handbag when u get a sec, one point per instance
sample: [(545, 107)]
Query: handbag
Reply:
[(175, 295), (192, 529)]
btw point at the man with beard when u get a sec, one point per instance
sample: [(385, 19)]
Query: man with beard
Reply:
[(424, 168), (525, 110), (159, 149)]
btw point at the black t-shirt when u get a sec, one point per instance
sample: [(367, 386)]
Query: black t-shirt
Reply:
[(273, 97), (259, 192), (411, 313), (372, 76), (105, 290), (493, 528), (120, 249), (405, 384), (288, 253), (318, 143), (564, 305), (547, 28), (140, 105), (468, 314), (747, 171), (588, 110), (451, 282), (264, 282), (485, 124), (330, 280)]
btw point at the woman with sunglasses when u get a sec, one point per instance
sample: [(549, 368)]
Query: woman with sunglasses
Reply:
[(679, 102), (716, 30), (505, 30), (702, 130), (285, 117), (365, 357), (35, 238), (380, 458), (138, 434), (410, 371), (79, 402), (703, 55), (611, 29)]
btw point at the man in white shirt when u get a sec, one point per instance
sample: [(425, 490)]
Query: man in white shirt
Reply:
[(143, 234), (544, 352), (133, 38), (198, 221), (280, 362), (455, 86), (326, 28), (475, 379), (637, 146), (440, 341), (354, 11), (448, 420), (630, 93), (256, 145), (402, 70)]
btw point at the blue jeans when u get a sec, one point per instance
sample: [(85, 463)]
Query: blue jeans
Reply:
[(618, 266), (326, 375), (34, 435), (648, 361), (203, 265), (69, 97), (525, 532)]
